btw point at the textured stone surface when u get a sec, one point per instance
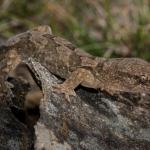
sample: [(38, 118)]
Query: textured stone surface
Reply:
[(91, 121), (14, 135)]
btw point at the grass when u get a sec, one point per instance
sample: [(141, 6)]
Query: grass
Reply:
[(103, 28)]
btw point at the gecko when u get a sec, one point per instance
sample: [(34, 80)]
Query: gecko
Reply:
[(77, 67)]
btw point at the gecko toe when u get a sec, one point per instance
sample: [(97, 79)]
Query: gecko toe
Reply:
[(60, 88)]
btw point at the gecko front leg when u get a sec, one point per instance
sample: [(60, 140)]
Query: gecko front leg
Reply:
[(80, 76)]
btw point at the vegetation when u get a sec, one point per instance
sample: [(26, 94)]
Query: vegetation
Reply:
[(107, 28)]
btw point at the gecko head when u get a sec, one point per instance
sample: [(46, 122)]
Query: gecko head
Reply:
[(43, 29)]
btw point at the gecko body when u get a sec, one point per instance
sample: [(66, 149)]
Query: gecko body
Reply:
[(63, 59)]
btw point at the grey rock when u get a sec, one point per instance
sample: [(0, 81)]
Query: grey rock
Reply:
[(91, 121), (14, 135)]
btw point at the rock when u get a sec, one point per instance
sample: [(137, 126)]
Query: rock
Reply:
[(14, 135), (91, 121)]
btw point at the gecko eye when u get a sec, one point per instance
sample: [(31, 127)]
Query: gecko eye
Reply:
[(143, 77)]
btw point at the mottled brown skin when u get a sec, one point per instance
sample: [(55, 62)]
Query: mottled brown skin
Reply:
[(61, 58)]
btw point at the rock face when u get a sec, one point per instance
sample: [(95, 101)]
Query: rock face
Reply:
[(14, 135), (92, 120)]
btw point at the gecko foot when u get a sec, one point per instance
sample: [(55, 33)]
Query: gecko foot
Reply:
[(61, 88)]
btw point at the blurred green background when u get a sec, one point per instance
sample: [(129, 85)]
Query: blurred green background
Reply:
[(107, 28)]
